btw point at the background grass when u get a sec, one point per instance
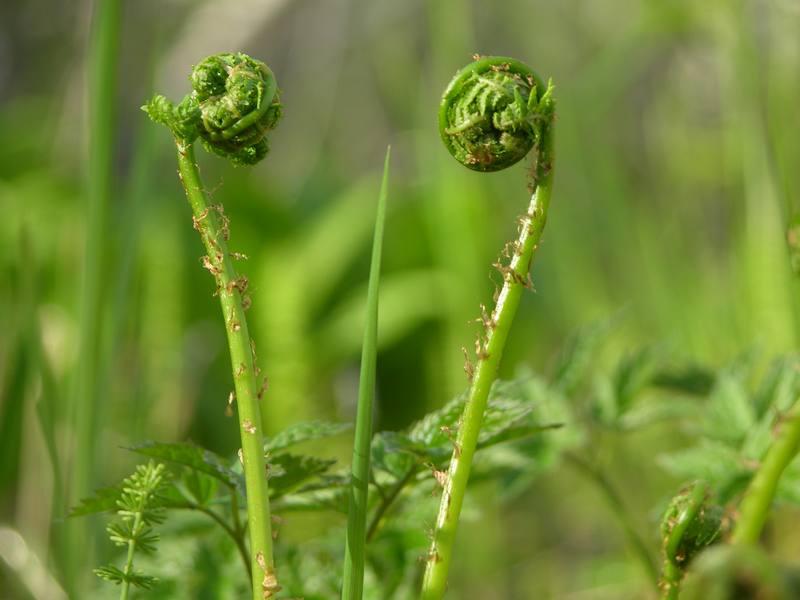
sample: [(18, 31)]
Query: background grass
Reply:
[(676, 174)]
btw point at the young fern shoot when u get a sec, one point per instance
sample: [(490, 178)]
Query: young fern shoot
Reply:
[(493, 113), (234, 103), (690, 524)]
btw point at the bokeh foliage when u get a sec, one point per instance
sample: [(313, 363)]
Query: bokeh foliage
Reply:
[(676, 181)]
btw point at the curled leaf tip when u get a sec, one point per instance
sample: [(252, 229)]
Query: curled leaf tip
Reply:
[(233, 105), (690, 524), (493, 113)]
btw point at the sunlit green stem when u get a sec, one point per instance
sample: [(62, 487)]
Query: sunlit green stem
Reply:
[(490, 351), (229, 289), (353, 576), (755, 506)]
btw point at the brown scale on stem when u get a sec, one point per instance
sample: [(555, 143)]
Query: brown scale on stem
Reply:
[(263, 388), (480, 349), (469, 368)]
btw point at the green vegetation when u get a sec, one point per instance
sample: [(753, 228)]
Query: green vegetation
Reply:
[(626, 428)]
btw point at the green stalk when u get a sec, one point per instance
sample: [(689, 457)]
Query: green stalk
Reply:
[(440, 557), (492, 114), (229, 289), (491, 350), (128, 570), (353, 576), (755, 506), (102, 82)]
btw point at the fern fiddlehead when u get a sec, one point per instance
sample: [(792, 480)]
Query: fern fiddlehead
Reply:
[(494, 112), (233, 105), (690, 524)]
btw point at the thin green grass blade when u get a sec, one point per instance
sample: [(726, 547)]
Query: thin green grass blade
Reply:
[(353, 579), (85, 394)]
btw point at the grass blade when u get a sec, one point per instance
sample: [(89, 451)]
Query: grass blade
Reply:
[(353, 583), (85, 396)]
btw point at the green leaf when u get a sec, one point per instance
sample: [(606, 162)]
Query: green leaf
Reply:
[(103, 500), (715, 462), (779, 387), (731, 413), (509, 416), (395, 453), (287, 472), (329, 493), (192, 456), (579, 353), (304, 432), (117, 576), (632, 375), (197, 487), (354, 551), (692, 380)]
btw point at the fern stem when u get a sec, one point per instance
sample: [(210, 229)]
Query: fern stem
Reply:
[(490, 351), (230, 287), (353, 575), (755, 506)]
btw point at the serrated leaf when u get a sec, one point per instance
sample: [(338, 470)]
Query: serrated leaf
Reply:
[(715, 462), (509, 415), (191, 456), (577, 355), (395, 452), (328, 496), (692, 380), (779, 387), (197, 487), (731, 413), (288, 472), (103, 500), (632, 374), (428, 430), (305, 431)]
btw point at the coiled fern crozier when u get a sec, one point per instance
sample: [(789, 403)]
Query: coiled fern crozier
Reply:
[(233, 105), (494, 112), (690, 524)]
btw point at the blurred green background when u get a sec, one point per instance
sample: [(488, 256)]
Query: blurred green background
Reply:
[(677, 173)]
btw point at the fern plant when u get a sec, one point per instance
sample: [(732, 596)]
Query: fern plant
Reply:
[(233, 104), (493, 113)]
